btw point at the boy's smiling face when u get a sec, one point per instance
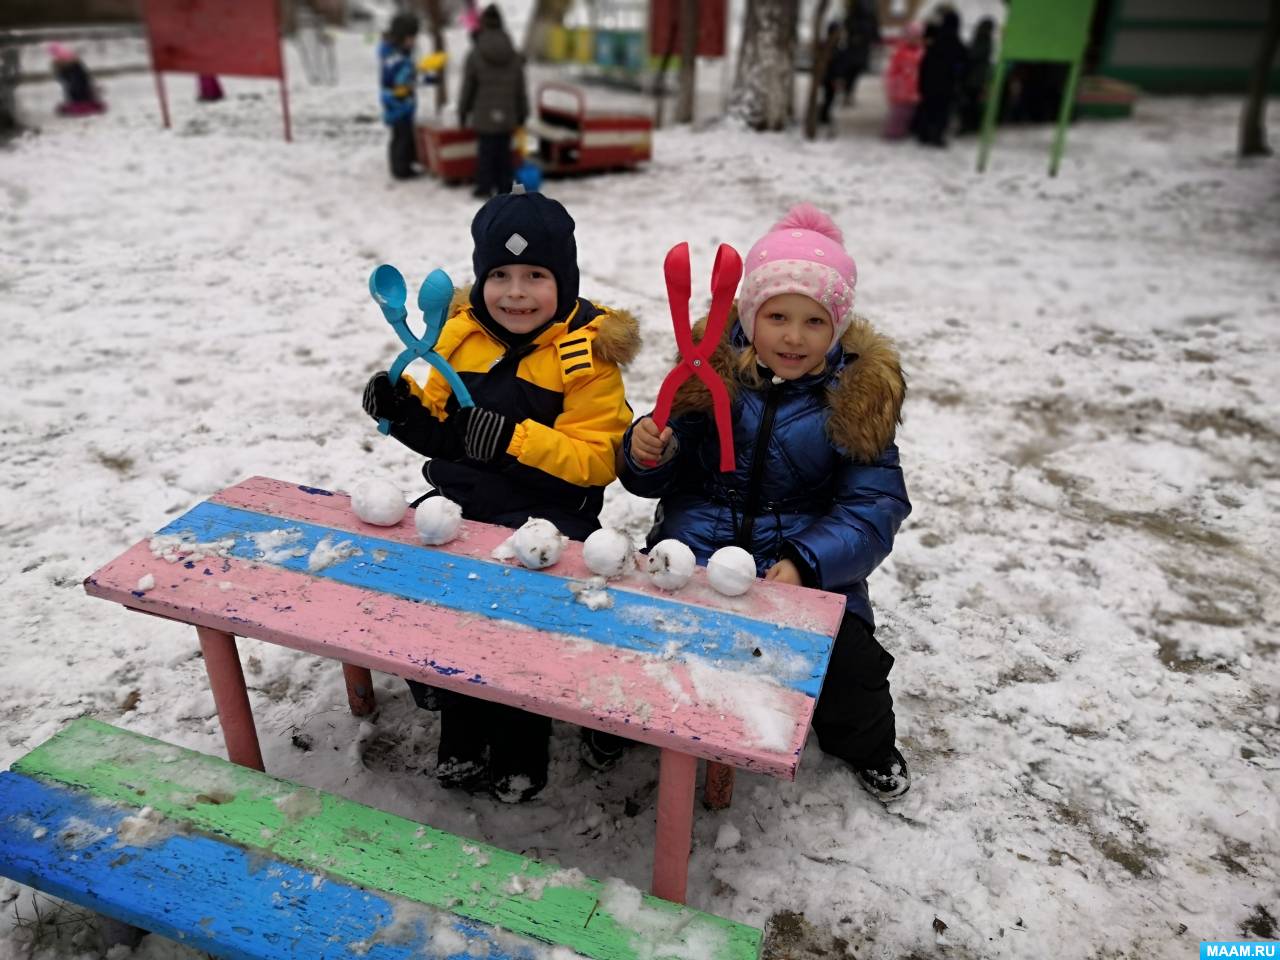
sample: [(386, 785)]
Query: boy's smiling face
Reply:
[(520, 297)]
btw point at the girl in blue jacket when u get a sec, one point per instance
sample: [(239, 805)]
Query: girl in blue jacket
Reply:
[(816, 495)]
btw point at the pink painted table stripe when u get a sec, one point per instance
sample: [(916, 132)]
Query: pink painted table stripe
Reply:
[(799, 607), (691, 708)]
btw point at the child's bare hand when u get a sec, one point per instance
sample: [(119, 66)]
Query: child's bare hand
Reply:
[(784, 571), (648, 445)]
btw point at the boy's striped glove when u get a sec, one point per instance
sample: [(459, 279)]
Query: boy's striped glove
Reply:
[(485, 434)]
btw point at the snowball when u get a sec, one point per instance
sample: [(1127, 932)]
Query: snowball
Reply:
[(731, 570), (607, 552), (729, 836), (538, 543), (326, 553), (378, 501), (145, 582), (671, 564), (437, 520), (592, 594)]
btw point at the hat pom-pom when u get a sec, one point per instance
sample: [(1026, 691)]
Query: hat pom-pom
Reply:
[(805, 216)]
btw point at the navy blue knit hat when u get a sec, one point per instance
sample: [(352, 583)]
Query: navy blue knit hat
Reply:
[(525, 228)]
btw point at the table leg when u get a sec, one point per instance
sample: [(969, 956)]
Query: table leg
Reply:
[(717, 793), (226, 679), (677, 773), (359, 689)]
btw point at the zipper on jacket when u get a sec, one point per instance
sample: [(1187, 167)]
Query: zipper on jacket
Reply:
[(756, 480)]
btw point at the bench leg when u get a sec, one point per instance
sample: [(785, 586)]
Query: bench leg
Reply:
[(226, 679), (717, 793), (359, 689), (677, 773)]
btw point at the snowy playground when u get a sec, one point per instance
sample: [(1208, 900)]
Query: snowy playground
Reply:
[(1082, 606)]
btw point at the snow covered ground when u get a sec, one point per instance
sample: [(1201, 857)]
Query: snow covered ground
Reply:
[(1083, 606)]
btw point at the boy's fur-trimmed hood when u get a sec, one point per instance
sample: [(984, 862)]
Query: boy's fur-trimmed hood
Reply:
[(865, 397), (617, 335)]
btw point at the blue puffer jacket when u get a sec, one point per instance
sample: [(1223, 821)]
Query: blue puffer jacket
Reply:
[(816, 481), (398, 76)]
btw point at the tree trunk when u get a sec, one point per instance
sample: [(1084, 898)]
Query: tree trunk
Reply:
[(435, 25), (766, 62), (822, 50), (8, 81), (660, 78), (688, 60), (1253, 131), (546, 14)]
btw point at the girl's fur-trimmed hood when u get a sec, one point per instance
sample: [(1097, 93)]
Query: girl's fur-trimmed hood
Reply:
[(865, 397), (617, 335)]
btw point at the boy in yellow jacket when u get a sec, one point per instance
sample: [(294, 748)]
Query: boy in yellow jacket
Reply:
[(542, 366)]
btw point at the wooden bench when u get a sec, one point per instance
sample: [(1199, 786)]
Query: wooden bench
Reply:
[(242, 865), (732, 680)]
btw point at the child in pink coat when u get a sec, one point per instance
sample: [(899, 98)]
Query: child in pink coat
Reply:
[(902, 81), (79, 94)]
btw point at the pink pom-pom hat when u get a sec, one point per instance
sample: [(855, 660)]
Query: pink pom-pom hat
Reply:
[(802, 253)]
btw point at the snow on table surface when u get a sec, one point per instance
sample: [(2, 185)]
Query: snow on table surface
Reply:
[(1082, 606), (730, 680)]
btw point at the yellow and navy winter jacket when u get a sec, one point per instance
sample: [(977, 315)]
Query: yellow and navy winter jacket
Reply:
[(564, 389)]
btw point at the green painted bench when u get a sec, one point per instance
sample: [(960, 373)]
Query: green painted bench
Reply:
[(243, 865)]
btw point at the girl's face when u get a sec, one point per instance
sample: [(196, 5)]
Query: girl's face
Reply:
[(792, 335), (520, 297)]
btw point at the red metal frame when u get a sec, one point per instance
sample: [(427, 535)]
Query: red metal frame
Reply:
[(239, 38), (450, 152), (588, 140)]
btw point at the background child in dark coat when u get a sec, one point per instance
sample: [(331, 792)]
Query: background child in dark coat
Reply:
[(493, 102), (834, 76), (941, 70), (398, 78), (541, 365), (862, 36), (816, 495), (977, 73), (79, 95)]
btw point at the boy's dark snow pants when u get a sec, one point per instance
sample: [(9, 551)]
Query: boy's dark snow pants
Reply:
[(519, 742), (854, 716)]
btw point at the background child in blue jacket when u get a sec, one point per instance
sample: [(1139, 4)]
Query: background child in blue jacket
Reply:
[(399, 97), (816, 495)]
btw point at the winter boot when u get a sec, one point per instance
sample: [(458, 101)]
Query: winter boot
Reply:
[(519, 754), (518, 787), (460, 761), (466, 774), (887, 779), (601, 751)]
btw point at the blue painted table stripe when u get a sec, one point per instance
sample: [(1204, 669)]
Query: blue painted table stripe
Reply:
[(212, 895), (529, 598)]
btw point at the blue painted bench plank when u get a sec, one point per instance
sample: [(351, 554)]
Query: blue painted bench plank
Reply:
[(216, 896)]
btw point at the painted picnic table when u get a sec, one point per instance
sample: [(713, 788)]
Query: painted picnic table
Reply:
[(732, 680)]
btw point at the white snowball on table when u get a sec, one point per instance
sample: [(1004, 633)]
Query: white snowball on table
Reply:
[(731, 570), (671, 564), (607, 552), (437, 520), (538, 543), (378, 501)]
